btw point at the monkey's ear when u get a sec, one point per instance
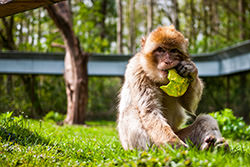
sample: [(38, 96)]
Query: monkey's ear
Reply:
[(143, 41)]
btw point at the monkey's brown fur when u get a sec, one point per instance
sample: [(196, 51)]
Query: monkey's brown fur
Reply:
[(146, 114)]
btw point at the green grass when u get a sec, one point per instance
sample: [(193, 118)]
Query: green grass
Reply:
[(25, 142)]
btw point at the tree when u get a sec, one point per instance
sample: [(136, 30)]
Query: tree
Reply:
[(175, 17), (243, 77), (30, 86), (242, 18), (7, 41), (149, 16), (6, 34), (119, 26), (132, 37), (76, 76)]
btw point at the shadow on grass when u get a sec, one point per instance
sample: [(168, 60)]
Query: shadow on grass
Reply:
[(21, 135)]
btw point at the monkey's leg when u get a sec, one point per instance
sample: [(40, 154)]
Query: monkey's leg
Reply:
[(131, 133), (204, 133)]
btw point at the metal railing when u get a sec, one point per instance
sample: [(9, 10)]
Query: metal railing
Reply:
[(227, 61)]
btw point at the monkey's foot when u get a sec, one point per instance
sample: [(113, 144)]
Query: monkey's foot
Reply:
[(213, 142)]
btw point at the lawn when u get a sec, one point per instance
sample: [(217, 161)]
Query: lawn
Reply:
[(26, 142)]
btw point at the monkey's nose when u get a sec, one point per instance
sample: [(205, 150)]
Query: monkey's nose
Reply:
[(168, 63)]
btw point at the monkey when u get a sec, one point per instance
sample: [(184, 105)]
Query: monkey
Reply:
[(146, 115)]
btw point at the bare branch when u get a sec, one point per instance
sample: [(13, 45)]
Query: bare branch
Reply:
[(57, 45)]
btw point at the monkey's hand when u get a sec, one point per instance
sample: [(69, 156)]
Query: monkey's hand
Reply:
[(187, 68), (192, 96), (158, 130)]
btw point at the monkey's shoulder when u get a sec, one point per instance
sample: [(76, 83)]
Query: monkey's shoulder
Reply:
[(134, 69)]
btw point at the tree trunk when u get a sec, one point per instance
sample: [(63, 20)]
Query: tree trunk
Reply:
[(9, 85), (192, 29), (228, 26), (205, 26), (228, 92), (39, 30), (242, 19), (132, 45), (103, 11), (244, 107), (149, 16), (76, 76), (29, 82), (119, 26), (6, 34), (244, 110), (175, 14), (215, 16)]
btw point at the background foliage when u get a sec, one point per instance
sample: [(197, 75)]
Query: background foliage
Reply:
[(209, 26), (231, 126)]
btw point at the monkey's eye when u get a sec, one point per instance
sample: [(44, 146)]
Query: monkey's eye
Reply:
[(160, 49), (174, 51)]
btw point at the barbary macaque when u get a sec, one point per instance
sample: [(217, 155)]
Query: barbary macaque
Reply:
[(147, 115)]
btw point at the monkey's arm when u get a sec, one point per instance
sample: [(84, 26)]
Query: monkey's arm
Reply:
[(153, 121), (158, 130), (192, 96)]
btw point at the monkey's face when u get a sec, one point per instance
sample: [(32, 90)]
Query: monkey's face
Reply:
[(164, 49)]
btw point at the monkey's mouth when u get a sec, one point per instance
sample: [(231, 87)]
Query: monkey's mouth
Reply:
[(163, 68), (164, 72)]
